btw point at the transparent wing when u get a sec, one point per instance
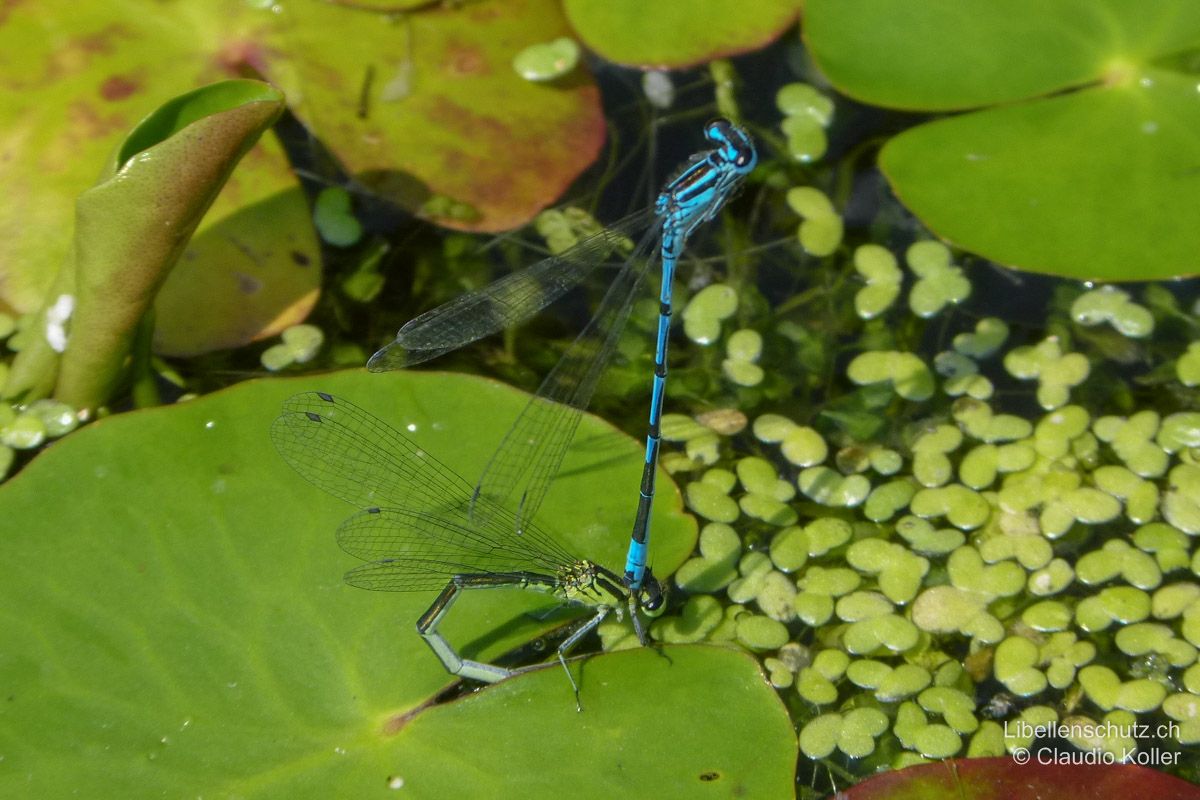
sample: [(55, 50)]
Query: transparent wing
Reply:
[(532, 451), (416, 508), (504, 303), (411, 551)]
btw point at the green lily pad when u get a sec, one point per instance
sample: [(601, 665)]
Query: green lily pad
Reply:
[(1095, 108), (203, 605), (516, 763), (679, 33)]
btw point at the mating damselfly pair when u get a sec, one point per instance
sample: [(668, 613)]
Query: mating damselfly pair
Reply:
[(422, 527)]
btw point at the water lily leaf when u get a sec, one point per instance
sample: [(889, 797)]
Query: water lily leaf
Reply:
[(1075, 165), (426, 109), (185, 618), (132, 227), (677, 33), (703, 743), (77, 79)]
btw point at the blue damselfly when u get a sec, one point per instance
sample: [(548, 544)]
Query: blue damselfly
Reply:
[(531, 453)]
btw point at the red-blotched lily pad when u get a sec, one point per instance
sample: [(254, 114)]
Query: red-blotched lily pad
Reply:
[(173, 622), (78, 78), (1005, 779), (1083, 172), (677, 33), (427, 110)]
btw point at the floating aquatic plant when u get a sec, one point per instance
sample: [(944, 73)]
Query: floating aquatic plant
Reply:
[(970, 543)]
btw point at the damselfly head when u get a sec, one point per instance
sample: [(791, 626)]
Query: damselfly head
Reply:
[(734, 145), (650, 596)]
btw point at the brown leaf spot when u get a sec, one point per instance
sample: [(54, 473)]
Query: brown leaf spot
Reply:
[(118, 87), (464, 58)]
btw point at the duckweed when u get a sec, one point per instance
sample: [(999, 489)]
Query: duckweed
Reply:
[(901, 682), (979, 422), (776, 598), (1048, 615), (813, 608), (962, 376), (906, 373), (1056, 372), (1131, 439), (1152, 637), (700, 616), (709, 502), (1030, 551), (789, 549), (888, 499), (23, 431), (1015, 666), (1103, 736), (1105, 688), (827, 487), (800, 445), (753, 568), (876, 634), (939, 283), (830, 581), (1116, 558), (743, 350), (807, 113), (1181, 502), (827, 533), (962, 507), (1187, 368), (1174, 599), (1111, 305), (797, 99), (761, 633), (547, 61), (1057, 548), (57, 418), (821, 231), (878, 268), (1179, 431), (1184, 708), (768, 509), (924, 538), (716, 567), (988, 337), (897, 571), (987, 742), (853, 733), (1121, 604), (300, 344), (936, 741), (708, 308)]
